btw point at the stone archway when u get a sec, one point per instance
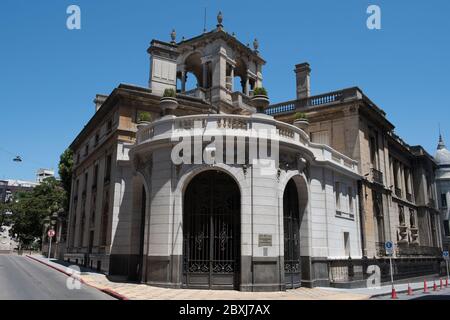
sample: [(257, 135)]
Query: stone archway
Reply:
[(211, 232)]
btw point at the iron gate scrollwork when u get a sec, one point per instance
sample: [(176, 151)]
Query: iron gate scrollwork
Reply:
[(211, 232), (292, 272)]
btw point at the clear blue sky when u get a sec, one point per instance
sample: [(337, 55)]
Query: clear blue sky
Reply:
[(50, 75)]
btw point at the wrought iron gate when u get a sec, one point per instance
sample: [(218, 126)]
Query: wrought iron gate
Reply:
[(292, 272), (211, 240)]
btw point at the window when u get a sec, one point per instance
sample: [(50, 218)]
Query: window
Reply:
[(94, 182), (108, 168), (444, 200), (373, 146), (108, 126), (86, 150), (320, 137), (337, 190), (85, 183), (97, 138), (446, 228), (347, 244), (350, 199), (78, 158)]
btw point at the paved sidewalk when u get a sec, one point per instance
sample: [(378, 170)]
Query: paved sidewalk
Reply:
[(134, 291)]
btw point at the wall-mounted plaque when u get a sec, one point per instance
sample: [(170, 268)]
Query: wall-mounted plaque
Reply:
[(264, 240)]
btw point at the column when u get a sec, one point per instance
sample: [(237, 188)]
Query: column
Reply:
[(247, 84), (205, 74), (232, 79)]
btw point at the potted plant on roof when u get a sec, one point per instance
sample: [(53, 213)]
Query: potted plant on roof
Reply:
[(143, 118), (260, 99), (301, 121), (169, 101)]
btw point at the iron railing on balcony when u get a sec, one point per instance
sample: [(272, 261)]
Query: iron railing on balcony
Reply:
[(411, 251), (377, 176)]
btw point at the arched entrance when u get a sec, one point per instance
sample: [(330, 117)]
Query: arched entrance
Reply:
[(211, 232), (292, 222)]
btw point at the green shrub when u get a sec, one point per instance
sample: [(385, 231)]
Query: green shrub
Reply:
[(169, 93), (260, 91), (144, 116), (300, 116)]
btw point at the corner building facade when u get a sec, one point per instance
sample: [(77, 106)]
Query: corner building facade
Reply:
[(230, 222)]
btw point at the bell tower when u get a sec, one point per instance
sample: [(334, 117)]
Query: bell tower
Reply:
[(213, 66)]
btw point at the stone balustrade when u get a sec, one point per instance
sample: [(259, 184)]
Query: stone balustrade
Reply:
[(260, 126)]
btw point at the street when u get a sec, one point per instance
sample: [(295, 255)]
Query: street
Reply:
[(24, 279)]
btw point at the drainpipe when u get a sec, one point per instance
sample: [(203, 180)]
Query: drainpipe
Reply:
[(362, 217)]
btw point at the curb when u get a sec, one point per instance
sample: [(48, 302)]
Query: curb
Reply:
[(105, 290), (377, 295)]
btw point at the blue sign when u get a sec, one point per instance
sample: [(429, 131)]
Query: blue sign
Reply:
[(445, 255), (389, 246)]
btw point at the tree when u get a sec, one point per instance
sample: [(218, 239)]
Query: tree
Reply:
[(30, 210), (4, 214), (65, 173)]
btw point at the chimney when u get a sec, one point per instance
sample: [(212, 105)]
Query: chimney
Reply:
[(99, 100), (303, 75)]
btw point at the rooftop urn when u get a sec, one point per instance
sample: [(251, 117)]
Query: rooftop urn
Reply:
[(168, 102), (301, 121), (260, 100), (143, 119)]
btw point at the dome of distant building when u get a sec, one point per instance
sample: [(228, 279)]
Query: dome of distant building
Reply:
[(442, 158), (442, 155)]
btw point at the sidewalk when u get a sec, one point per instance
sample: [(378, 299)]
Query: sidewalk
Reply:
[(134, 291)]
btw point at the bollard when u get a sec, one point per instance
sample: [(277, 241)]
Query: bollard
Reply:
[(410, 291), (394, 294), (425, 286)]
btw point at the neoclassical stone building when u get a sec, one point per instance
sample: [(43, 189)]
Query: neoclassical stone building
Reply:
[(218, 190), (263, 208)]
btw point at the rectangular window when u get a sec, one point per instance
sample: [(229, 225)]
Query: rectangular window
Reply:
[(320, 137), (347, 244), (94, 181), (444, 200), (337, 190), (350, 199), (85, 183), (108, 168), (108, 126), (446, 228)]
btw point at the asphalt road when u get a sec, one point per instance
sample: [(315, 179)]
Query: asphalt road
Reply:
[(22, 278)]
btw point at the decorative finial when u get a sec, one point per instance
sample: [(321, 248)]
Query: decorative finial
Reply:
[(256, 45), (441, 144), (173, 36), (219, 20), (233, 35), (183, 38)]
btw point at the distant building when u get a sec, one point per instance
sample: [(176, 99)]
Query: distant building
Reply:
[(442, 158), (43, 174), (9, 187)]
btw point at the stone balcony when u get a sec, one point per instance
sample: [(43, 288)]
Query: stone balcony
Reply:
[(171, 128)]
